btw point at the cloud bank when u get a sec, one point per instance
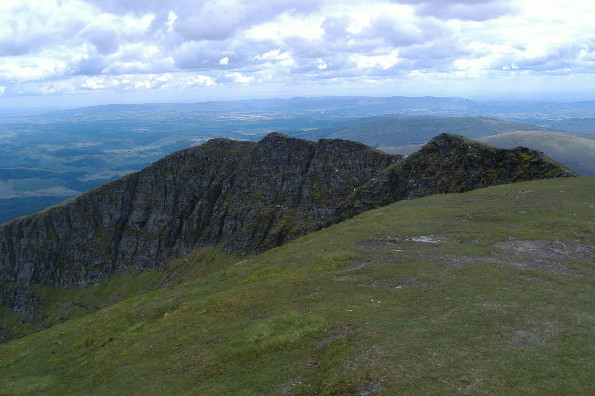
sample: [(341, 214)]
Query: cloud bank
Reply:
[(77, 46)]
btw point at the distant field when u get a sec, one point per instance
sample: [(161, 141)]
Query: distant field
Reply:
[(418, 130), (15, 207)]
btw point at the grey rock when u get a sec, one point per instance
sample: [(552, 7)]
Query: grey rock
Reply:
[(244, 196)]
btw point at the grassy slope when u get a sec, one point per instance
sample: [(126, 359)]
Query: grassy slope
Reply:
[(478, 293), (60, 304)]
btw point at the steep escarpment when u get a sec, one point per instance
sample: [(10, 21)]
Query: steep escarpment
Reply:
[(451, 164), (246, 196), (243, 196)]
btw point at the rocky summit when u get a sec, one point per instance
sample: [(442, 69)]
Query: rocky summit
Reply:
[(243, 196)]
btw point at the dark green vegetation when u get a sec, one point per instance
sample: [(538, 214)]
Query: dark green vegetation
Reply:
[(486, 292)]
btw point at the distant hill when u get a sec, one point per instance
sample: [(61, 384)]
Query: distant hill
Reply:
[(489, 292), (418, 130), (579, 126)]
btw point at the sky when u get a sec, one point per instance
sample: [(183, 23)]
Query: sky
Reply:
[(79, 52)]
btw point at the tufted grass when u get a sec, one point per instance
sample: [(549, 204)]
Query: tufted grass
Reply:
[(486, 292)]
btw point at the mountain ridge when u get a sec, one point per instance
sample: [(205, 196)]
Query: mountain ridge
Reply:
[(245, 197), (113, 143), (577, 153)]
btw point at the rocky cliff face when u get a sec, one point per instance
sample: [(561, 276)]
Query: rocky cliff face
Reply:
[(451, 164), (245, 196)]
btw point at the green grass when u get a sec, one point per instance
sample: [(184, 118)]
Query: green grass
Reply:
[(62, 304), (487, 292)]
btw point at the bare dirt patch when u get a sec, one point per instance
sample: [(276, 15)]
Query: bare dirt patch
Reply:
[(386, 259), (545, 256), (524, 338), (452, 261), (383, 241), (547, 249)]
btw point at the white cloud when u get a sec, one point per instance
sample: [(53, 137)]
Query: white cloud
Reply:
[(383, 62), (472, 10), (276, 57), (28, 26), (197, 81), (322, 65), (49, 46), (238, 78), (30, 69)]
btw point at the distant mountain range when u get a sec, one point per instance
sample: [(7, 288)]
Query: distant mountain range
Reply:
[(532, 112)]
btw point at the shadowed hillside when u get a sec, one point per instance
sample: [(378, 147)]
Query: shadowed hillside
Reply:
[(575, 152)]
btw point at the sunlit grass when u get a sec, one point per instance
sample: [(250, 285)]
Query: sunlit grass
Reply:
[(487, 292)]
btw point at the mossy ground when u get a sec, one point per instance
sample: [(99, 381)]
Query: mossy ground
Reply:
[(487, 292), (60, 305)]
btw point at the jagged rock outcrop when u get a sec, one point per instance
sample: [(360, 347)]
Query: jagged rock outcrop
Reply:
[(244, 196), (451, 164), (247, 196)]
